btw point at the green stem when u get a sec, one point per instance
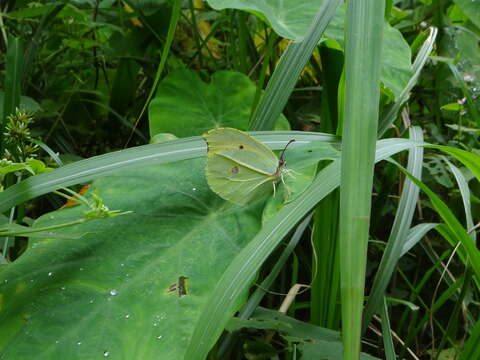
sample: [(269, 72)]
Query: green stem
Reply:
[(47, 228)]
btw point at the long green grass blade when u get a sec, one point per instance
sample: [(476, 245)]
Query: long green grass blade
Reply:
[(225, 298), (465, 191), (288, 70), (399, 232), (89, 169), (472, 350), (259, 293), (387, 331), (455, 228), (325, 290), (363, 42), (450, 332)]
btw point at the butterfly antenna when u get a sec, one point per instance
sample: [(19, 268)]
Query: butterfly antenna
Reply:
[(283, 152)]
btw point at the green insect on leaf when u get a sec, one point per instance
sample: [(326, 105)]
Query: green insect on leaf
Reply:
[(239, 168)]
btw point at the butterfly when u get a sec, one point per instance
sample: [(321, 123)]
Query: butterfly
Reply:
[(239, 168)]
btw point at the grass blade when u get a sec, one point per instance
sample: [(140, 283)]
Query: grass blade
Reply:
[(288, 70), (472, 350), (387, 331), (89, 169), (389, 116), (465, 191), (455, 228), (259, 293), (363, 42), (399, 232), (236, 279), (469, 159), (415, 235)]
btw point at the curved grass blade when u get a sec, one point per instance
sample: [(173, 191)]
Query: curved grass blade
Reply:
[(399, 232), (469, 159), (289, 68), (415, 235), (389, 116), (260, 292), (454, 227), (236, 279), (176, 150), (465, 192)]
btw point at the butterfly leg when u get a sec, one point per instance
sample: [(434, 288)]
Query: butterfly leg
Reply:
[(286, 187)]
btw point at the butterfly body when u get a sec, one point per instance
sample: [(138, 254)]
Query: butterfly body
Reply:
[(239, 167)]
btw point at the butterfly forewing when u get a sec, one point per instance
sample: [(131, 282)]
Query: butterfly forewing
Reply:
[(242, 148)]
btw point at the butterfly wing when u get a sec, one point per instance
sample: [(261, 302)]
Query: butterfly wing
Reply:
[(239, 168)]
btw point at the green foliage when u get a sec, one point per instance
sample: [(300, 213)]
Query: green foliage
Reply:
[(187, 106), (117, 276), (311, 341), (76, 82), (291, 19)]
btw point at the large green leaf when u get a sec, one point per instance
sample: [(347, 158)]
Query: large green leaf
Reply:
[(291, 19), (471, 8), (187, 106), (106, 294)]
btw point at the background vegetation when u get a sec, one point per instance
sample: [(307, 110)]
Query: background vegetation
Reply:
[(109, 98)]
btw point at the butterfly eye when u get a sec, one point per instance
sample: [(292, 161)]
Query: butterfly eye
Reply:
[(241, 147)]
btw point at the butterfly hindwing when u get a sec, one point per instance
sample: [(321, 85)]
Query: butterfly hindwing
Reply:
[(234, 182)]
